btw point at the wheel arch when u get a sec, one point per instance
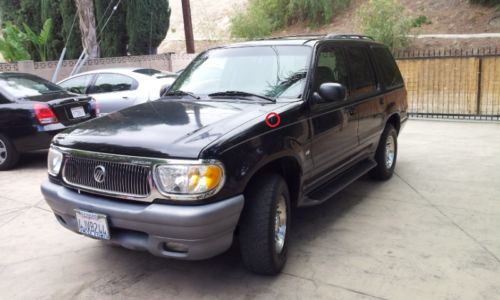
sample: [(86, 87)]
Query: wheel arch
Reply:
[(395, 121), (286, 166)]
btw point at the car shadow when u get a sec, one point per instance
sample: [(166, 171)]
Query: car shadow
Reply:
[(33, 160), (205, 276)]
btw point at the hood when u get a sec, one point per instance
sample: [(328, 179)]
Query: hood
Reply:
[(163, 128)]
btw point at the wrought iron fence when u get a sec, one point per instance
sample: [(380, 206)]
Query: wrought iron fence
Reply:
[(460, 84)]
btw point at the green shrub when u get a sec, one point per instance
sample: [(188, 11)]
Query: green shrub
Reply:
[(419, 21), (251, 25), (265, 16), (386, 21), (485, 2), (13, 43)]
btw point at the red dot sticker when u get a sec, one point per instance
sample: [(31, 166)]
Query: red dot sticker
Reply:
[(273, 120)]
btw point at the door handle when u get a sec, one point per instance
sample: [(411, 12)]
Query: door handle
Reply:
[(351, 110), (381, 101), (125, 97)]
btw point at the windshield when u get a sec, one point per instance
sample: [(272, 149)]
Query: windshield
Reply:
[(272, 71), (20, 86)]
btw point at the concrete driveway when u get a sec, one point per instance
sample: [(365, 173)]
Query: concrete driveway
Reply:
[(432, 232)]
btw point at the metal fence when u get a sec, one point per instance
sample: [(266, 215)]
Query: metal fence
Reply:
[(456, 84)]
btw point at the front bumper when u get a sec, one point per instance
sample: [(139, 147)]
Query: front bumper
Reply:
[(205, 230)]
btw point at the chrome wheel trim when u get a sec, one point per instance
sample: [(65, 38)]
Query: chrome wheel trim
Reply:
[(390, 151), (280, 220), (3, 152)]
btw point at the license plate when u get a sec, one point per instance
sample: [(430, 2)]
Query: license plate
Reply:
[(77, 112), (92, 225)]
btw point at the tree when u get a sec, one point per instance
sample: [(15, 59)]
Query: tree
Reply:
[(8, 9), (147, 25), (87, 22), (70, 29), (145, 21), (113, 40)]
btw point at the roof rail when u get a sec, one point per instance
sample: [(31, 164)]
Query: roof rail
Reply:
[(322, 36), (305, 35), (348, 36)]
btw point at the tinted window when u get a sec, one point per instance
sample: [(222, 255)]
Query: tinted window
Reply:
[(78, 84), (391, 77), (362, 75), (331, 67), (109, 83)]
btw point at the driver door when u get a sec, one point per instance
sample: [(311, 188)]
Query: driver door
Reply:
[(335, 124)]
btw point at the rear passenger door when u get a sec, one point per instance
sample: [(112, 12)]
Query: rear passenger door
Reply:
[(366, 94)]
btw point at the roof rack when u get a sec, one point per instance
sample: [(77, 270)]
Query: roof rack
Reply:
[(323, 36), (305, 35), (348, 36)]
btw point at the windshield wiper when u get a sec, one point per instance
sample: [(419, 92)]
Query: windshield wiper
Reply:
[(242, 94), (181, 93)]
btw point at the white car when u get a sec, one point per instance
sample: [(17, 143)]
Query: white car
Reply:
[(118, 88)]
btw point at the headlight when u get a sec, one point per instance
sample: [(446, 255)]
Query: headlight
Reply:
[(54, 161), (189, 181)]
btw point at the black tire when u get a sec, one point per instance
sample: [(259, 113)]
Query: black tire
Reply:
[(8, 154), (258, 248), (382, 171)]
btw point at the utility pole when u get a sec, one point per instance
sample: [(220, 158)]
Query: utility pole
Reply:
[(188, 26)]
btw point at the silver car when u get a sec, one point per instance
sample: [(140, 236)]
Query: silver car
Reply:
[(118, 88)]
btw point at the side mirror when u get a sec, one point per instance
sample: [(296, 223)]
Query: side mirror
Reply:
[(332, 92)]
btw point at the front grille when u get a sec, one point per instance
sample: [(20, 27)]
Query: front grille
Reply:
[(121, 179)]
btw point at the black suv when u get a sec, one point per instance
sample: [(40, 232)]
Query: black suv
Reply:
[(246, 133)]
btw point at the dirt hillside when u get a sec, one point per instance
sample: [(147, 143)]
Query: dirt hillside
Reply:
[(211, 21)]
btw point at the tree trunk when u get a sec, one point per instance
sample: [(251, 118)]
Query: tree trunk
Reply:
[(87, 27)]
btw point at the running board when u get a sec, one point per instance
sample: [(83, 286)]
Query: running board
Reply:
[(332, 187)]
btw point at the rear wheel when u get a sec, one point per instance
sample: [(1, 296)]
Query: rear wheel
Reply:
[(8, 154), (264, 226), (386, 154)]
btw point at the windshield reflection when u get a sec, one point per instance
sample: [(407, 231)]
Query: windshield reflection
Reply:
[(271, 71)]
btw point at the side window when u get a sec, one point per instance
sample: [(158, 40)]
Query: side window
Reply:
[(331, 67), (389, 71), (362, 76), (109, 83), (78, 84)]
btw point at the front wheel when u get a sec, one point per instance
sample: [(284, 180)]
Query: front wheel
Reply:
[(265, 224), (386, 154)]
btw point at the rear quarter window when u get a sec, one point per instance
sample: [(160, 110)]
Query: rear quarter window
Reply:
[(389, 71)]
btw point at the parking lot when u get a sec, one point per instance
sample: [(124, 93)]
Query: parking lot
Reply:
[(431, 232)]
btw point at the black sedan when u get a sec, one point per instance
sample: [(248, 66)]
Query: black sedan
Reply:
[(32, 111)]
